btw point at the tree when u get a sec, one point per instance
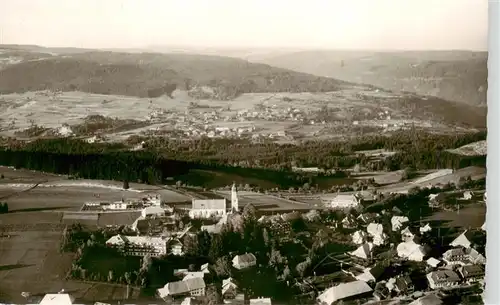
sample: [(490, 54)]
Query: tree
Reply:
[(249, 212), (213, 295), (125, 185), (216, 247), (190, 245), (222, 267)]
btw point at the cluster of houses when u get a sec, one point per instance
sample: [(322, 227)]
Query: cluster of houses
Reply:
[(153, 227), (460, 266), (122, 205)]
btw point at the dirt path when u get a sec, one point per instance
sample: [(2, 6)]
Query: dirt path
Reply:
[(23, 191)]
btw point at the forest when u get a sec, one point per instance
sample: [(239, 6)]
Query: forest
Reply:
[(164, 160)]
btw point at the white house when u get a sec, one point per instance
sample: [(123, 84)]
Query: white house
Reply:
[(207, 208), (345, 201), (463, 240), (244, 261), (398, 222), (467, 195), (152, 211), (344, 291), (358, 237), (425, 229), (118, 205), (57, 299), (411, 251), (364, 251), (376, 231)]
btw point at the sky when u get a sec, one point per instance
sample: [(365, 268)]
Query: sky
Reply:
[(325, 24)]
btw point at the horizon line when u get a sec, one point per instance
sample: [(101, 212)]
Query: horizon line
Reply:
[(233, 48)]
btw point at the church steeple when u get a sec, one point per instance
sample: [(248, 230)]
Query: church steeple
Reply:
[(234, 198)]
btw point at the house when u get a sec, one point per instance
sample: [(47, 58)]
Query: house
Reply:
[(409, 233), (455, 256), (467, 195), (404, 285), (467, 239), (366, 218), (475, 257), (372, 274), (153, 211), (244, 261), (229, 289), (207, 208), (204, 268), (411, 251), (442, 278), (397, 222), (376, 231), (425, 229), (193, 274), (483, 227), (57, 299), (261, 301), (190, 287), (364, 251), (175, 247), (118, 205), (430, 299), (434, 263), (345, 201), (472, 273), (139, 245), (435, 199), (358, 237), (344, 291)]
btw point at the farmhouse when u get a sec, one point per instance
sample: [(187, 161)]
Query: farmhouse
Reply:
[(358, 237), (344, 291), (118, 205), (442, 278), (229, 289), (244, 261), (260, 301), (404, 285), (345, 201), (376, 231), (139, 245)]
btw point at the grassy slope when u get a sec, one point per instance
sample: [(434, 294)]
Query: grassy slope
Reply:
[(452, 75)]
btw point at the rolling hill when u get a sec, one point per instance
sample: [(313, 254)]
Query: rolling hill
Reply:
[(459, 76), (150, 74)]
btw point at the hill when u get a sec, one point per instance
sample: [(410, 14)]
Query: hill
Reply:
[(473, 149), (459, 76), (151, 75)]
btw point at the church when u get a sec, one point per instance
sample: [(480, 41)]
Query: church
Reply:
[(207, 208)]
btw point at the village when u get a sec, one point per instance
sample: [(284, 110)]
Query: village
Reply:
[(229, 248)]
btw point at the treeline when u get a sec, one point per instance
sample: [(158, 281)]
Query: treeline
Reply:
[(415, 149), (110, 162)]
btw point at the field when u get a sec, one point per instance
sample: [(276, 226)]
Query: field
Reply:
[(30, 260), (473, 149), (267, 203), (50, 111)]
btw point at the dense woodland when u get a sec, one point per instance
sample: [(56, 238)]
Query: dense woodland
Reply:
[(165, 159)]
